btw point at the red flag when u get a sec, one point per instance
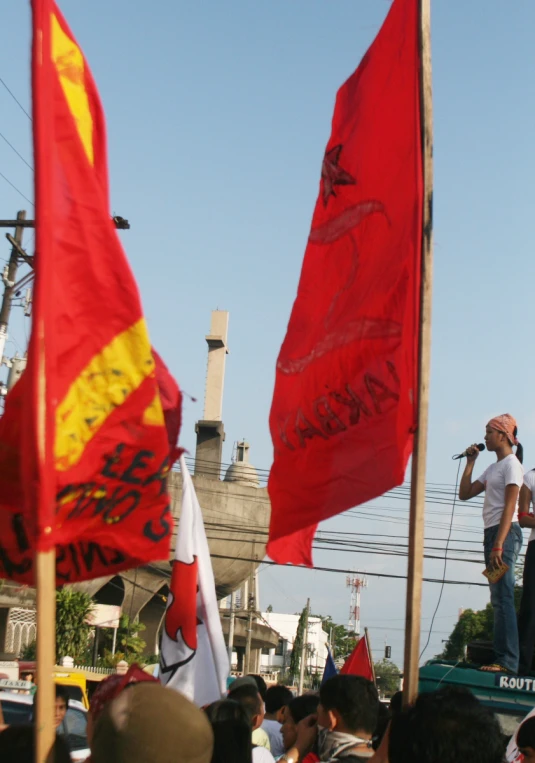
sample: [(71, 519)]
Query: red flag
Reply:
[(84, 451), (359, 662), (344, 406)]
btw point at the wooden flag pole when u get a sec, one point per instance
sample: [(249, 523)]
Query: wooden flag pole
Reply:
[(46, 654), (370, 655), (417, 502)]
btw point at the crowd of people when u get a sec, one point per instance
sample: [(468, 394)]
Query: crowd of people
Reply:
[(140, 721)]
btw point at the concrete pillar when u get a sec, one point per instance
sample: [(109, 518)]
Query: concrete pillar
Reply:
[(215, 374), (210, 431)]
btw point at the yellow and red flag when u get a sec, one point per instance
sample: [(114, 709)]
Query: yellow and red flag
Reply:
[(84, 451)]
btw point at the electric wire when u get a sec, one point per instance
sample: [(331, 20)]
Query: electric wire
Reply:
[(19, 104), (445, 563)]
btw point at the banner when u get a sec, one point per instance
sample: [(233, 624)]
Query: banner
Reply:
[(84, 450), (345, 399)]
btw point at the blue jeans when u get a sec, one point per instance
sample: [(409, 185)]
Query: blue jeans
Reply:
[(502, 598)]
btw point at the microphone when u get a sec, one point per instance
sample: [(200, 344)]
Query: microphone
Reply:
[(480, 447)]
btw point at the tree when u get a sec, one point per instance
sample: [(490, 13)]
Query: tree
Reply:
[(387, 675), (295, 659), (470, 626), (72, 630), (128, 642), (342, 640), (476, 625)]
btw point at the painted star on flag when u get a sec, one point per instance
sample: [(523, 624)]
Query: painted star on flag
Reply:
[(332, 174)]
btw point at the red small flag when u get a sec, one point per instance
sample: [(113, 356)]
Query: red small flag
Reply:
[(344, 406), (359, 662)]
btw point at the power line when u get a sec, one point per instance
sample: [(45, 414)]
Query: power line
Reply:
[(12, 147), (19, 104), (333, 569), (17, 189)]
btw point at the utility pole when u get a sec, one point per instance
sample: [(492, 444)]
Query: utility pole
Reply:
[(231, 627), (16, 367), (247, 666), (304, 650), (10, 276)]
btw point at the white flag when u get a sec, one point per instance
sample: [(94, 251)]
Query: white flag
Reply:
[(193, 657)]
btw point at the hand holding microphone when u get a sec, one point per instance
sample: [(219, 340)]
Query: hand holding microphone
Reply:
[(471, 453)]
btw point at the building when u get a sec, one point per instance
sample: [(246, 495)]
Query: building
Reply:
[(277, 659)]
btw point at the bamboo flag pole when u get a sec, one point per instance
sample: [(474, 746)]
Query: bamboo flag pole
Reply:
[(46, 654), (43, 412), (417, 501)]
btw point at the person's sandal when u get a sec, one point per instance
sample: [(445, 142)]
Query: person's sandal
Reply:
[(494, 668)]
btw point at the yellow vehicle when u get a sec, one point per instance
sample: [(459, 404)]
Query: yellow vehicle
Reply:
[(79, 682), (75, 682)]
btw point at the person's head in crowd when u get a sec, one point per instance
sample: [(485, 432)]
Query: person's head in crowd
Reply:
[(17, 745), (349, 704), (232, 732), (249, 698), (242, 681), (294, 712), (383, 719), (525, 740), (109, 689), (261, 685), (396, 703), (277, 697), (61, 705), (446, 726), (151, 723)]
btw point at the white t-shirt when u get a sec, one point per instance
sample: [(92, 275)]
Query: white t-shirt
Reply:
[(529, 482), (261, 755), (496, 477), (273, 730), (261, 739)]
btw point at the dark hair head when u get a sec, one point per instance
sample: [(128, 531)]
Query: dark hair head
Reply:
[(262, 686), (526, 734), (232, 732), (383, 719), (396, 703), (249, 698), (302, 707), (17, 743), (277, 697), (355, 698), (445, 726), (62, 693)]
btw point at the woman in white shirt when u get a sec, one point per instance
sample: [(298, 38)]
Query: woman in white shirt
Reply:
[(501, 483)]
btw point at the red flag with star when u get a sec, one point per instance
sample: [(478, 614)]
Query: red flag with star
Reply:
[(344, 405)]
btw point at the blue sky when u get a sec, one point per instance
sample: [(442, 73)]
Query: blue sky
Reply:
[(218, 115)]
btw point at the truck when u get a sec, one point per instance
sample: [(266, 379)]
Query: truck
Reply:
[(510, 697)]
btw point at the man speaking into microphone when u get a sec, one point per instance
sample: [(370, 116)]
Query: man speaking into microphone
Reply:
[(501, 483)]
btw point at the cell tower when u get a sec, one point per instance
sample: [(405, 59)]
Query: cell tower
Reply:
[(356, 584)]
